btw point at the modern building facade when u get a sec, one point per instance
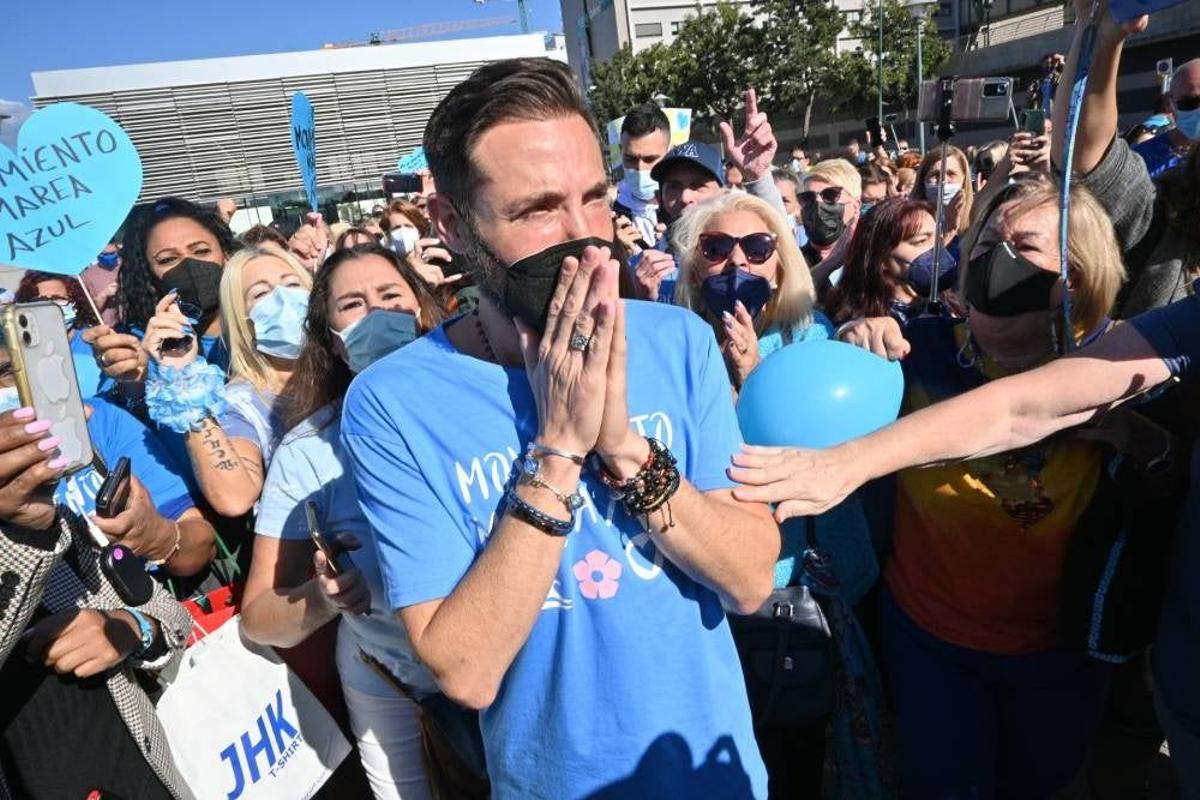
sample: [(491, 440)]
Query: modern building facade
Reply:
[(220, 127)]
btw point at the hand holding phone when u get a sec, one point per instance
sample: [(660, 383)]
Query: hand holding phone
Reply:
[(170, 337), (336, 556), (44, 371), (114, 492)]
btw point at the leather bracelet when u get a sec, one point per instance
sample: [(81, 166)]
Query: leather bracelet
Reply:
[(539, 519)]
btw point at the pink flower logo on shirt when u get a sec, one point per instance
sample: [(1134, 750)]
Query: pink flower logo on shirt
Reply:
[(597, 575)]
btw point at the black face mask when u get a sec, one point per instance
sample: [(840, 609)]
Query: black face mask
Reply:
[(198, 284), (1004, 283), (824, 222), (529, 283)]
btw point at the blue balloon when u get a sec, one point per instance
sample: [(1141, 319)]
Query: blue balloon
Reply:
[(819, 394)]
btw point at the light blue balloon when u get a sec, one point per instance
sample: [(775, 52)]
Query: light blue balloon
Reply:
[(66, 190), (304, 144), (819, 394)]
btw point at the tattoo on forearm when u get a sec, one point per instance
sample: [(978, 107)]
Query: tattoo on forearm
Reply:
[(216, 447)]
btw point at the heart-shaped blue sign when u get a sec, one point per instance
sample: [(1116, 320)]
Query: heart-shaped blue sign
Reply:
[(66, 190)]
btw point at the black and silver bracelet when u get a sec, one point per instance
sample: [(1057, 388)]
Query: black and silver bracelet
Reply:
[(538, 519)]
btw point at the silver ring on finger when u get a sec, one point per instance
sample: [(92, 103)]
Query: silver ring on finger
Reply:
[(579, 342)]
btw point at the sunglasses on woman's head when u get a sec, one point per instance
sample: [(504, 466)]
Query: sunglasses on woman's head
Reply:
[(831, 194), (758, 247)]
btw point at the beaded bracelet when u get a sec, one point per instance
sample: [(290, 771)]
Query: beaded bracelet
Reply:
[(181, 399), (651, 488)]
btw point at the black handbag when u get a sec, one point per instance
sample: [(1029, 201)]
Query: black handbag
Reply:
[(786, 652)]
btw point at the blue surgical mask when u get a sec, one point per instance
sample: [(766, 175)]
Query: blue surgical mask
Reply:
[(866, 206), (1188, 123), (640, 184), (920, 271), (9, 399), (722, 291), (279, 322), (69, 314), (376, 335), (949, 191)]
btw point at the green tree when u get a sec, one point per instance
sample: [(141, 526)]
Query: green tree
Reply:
[(715, 58), (799, 65), (629, 79), (899, 55)]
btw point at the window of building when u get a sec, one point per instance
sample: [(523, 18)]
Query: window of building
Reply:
[(643, 29), (675, 26)]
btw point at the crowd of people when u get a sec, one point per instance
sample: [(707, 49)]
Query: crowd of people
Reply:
[(556, 570)]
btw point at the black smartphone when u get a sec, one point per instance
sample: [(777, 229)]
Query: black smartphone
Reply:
[(114, 492), (401, 183), (180, 345), (339, 560), (127, 574), (874, 132), (1033, 120)]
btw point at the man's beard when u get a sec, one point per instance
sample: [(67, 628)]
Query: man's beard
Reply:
[(485, 267)]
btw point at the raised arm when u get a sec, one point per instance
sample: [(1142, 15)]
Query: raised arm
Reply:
[(1098, 118)]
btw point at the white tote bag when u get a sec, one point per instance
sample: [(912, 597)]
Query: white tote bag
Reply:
[(243, 727)]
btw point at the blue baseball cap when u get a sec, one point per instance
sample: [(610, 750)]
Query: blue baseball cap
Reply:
[(702, 155)]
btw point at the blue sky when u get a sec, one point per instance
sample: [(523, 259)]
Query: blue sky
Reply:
[(68, 34)]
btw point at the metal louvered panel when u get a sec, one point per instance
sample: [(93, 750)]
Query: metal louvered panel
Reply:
[(213, 140)]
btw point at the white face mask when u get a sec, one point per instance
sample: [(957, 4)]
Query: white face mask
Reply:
[(949, 191), (404, 240)]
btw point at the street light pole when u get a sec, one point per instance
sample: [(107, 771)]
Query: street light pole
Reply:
[(879, 70), (918, 9)]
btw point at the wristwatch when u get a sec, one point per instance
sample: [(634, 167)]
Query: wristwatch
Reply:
[(145, 629)]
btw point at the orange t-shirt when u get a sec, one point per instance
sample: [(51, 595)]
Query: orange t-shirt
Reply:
[(979, 545)]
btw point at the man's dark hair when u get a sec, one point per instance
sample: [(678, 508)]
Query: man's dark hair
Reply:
[(529, 89), (644, 120)]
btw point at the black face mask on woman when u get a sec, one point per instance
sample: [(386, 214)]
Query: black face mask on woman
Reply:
[(529, 283), (824, 222), (1004, 283), (198, 284)]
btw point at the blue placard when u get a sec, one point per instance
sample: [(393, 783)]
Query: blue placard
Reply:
[(413, 162), (66, 190), (304, 144), (1125, 10)]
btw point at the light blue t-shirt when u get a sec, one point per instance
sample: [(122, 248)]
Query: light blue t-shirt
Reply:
[(629, 684), (310, 464)]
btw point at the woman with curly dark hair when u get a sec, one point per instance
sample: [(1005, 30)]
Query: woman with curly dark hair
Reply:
[(168, 244), (68, 294)]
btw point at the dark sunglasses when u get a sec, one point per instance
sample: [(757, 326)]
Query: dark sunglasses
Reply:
[(758, 247), (1188, 103), (832, 194)]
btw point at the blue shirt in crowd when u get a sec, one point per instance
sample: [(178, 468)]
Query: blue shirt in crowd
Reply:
[(629, 684), (87, 371), (310, 464), (1174, 332), (115, 433), (1158, 153)]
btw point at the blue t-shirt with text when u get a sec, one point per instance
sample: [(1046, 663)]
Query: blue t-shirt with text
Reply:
[(629, 684)]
